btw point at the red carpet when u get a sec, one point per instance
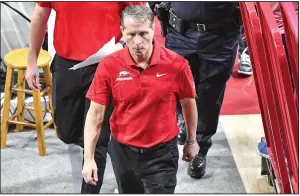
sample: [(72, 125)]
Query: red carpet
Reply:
[(240, 96)]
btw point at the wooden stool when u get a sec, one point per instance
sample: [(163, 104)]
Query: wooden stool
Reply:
[(17, 59)]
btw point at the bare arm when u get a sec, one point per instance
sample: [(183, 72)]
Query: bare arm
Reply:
[(37, 32), (92, 129), (190, 114), (99, 92), (191, 147)]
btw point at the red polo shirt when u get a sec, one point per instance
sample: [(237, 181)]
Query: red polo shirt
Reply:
[(82, 28), (144, 103)]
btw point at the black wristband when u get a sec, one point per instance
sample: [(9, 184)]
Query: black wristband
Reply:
[(122, 43)]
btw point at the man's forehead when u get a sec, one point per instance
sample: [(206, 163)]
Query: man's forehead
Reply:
[(137, 28), (130, 22)]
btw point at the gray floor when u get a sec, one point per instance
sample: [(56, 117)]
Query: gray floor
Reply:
[(23, 171)]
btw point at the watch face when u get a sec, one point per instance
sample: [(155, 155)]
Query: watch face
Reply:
[(123, 43)]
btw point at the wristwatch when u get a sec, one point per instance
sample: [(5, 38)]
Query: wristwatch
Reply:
[(122, 43)]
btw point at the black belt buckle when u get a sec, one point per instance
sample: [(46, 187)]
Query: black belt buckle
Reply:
[(137, 150), (144, 150), (153, 148), (201, 28)]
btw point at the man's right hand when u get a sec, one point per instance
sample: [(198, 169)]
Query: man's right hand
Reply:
[(32, 77), (190, 151), (90, 172)]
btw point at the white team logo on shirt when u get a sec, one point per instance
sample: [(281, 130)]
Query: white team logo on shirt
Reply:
[(124, 75)]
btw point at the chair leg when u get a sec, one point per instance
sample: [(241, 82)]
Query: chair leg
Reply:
[(39, 122), (6, 106), (21, 97), (48, 80)]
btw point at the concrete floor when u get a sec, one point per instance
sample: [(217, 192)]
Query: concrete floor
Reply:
[(23, 171)]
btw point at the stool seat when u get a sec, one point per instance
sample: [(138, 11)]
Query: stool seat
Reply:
[(17, 59)]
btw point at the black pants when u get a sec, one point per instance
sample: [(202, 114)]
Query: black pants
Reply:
[(70, 109), (242, 42), (211, 56), (152, 171)]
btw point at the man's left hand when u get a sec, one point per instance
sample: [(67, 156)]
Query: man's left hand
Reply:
[(190, 151), (118, 46)]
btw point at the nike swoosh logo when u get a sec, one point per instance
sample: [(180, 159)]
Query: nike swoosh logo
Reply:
[(159, 75)]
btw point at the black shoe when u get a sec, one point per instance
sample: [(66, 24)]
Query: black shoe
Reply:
[(182, 131), (197, 167), (181, 138)]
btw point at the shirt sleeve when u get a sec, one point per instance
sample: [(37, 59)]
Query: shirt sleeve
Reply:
[(44, 4), (186, 85), (100, 89), (135, 3)]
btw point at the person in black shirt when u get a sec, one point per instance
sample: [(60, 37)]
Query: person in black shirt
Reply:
[(206, 34)]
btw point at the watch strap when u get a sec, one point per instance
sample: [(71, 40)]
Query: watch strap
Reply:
[(123, 43)]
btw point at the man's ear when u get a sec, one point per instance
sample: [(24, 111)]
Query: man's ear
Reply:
[(122, 30), (152, 26)]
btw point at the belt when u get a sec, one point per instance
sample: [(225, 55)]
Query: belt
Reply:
[(206, 27), (152, 149), (181, 25)]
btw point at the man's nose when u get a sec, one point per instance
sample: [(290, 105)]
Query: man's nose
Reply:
[(137, 40)]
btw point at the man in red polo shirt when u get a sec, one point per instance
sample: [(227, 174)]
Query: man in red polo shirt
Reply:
[(81, 29), (145, 81)]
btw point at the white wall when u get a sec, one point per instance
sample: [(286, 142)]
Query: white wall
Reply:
[(51, 22)]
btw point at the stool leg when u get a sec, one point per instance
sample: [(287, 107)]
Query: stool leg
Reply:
[(6, 106), (39, 122), (21, 97), (48, 80)]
